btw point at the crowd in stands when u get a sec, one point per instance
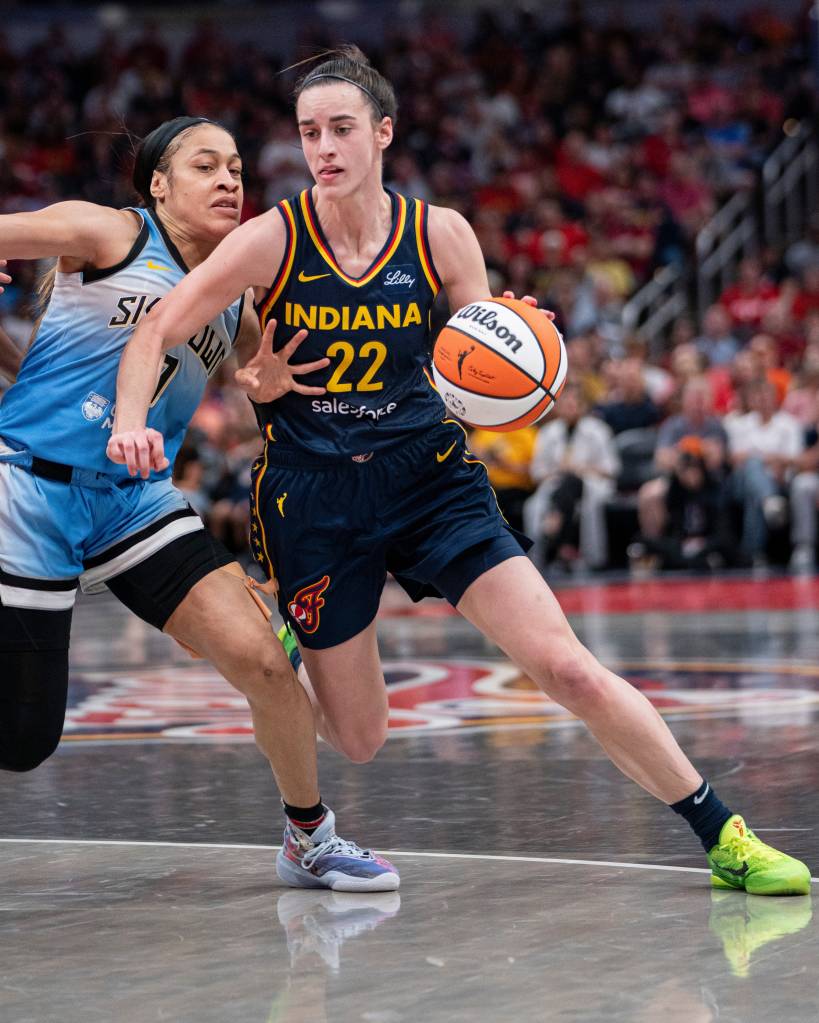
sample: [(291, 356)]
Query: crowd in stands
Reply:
[(585, 156)]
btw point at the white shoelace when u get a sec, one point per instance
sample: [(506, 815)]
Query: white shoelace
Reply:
[(337, 845)]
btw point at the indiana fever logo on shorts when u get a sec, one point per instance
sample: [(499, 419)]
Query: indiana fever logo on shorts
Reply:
[(304, 608)]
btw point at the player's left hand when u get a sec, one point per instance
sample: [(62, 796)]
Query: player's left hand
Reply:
[(4, 277), (269, 375), (532, 301)]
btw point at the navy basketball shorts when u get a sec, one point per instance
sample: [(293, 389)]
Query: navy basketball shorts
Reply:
[(329, 529)]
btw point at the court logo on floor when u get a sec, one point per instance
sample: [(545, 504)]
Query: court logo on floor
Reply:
[(191, 702)]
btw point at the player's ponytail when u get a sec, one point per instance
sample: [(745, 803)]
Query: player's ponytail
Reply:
[(42, 296), (348, 64)]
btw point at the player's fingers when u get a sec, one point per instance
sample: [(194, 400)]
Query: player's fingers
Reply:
[(143, 456), (310, 367), (530, 300), (303, 389), (114, 451), (156, 444), (267, 337), (293, 344), (129, 454), (247, 380)]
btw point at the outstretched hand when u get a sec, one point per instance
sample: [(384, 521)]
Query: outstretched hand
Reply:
[(269, 375), (141, 450), (530, 300)]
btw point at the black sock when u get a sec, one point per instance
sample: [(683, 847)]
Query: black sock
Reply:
[(705, 813), (307, 819)]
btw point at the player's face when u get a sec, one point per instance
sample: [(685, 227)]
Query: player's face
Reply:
[(204, 187), (341, 142)]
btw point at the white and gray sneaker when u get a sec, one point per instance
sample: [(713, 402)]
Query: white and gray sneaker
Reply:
[(323, 860)]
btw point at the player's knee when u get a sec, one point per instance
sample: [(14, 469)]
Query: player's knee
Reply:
[(23, 751), (577, 680), (360, 746)]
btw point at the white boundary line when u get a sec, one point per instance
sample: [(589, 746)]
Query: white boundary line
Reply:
[(387, 852)]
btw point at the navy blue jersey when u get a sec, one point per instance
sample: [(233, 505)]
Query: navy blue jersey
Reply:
[(375, 329)]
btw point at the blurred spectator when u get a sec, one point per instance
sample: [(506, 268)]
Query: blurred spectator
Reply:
[(716, 342), (748, 300), (507, 457), (696, 420), (630, 408), (802, 401), (804, 497), (805, 252), (806, 299), (765, 447), (764, 350), (695, 534), (575, 463)]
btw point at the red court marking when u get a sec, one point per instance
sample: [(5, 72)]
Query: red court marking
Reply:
[(682, 596)]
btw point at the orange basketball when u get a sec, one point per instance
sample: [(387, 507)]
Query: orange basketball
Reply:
[(499, 364)]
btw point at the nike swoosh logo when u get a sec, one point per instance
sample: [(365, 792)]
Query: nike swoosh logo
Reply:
[(305, 278), (443, 457), (156, 266), (698, 801), (737, 873)]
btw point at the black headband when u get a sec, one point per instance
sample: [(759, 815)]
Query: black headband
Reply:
[(343, 78), (154, 145)]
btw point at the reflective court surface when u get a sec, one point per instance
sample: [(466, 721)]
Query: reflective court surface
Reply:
[(537, 883)]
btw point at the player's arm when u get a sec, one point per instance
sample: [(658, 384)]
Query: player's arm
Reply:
[(10, 357), (248, 257), (457, 257), (81, 232)]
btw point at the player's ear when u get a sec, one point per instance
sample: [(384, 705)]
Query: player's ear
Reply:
[(159, 185), (383, 133)]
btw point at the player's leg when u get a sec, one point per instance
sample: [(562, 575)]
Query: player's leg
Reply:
[(34, 684), (540, 641), (188, 585), (350, 695), (38, 570)]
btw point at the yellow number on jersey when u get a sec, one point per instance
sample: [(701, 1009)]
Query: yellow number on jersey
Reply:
[(375, 349)]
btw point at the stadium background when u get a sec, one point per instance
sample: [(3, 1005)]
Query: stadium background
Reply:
[(597, 156)]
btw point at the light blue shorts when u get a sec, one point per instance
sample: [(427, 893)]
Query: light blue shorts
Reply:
[(55, 535)]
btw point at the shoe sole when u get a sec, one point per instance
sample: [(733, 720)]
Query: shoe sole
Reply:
[(796, 887), (336, 881)]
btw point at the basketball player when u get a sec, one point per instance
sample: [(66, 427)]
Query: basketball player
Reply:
[(373, 477), (67, 514)]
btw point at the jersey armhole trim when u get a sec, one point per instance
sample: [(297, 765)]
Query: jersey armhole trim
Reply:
[(424, 250), (274, 291), (100, 273), (238, 321)]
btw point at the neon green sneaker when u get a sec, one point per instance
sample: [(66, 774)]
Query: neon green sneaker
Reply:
[(291, 647), (740, 860), (745, 925)]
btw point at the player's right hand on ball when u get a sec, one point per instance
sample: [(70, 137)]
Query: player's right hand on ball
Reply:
[(141, 450)]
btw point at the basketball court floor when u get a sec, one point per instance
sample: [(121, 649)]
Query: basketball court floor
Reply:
[(137, 879)]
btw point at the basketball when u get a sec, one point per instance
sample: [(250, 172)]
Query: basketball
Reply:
[(499, 364)]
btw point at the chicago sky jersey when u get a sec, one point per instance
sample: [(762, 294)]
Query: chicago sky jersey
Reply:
[(375, 329), (62, 405)]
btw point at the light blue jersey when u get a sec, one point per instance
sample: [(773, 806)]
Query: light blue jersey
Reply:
[(62, 405)]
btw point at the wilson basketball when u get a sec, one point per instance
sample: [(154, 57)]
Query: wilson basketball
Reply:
[(499, 364)]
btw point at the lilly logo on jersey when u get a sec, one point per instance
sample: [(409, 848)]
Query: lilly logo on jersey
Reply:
[(400, 278), (306, 606), (94, 406)]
